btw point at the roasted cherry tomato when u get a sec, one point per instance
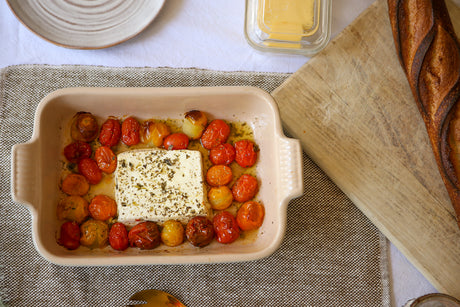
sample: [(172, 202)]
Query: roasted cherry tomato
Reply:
[(223, 154), (75, 184), (172, 233), (76, 151), (246, 153), (154, 132), (218, 175), (225, 227), (130, 131), (118, 237), (106, 160), (110, 132), (245, 188), (94, 234), (73, 208), (84, 127), (220, 198), (144, 235), (88, 168), (194, 123), (199, 231), (250, 215), (70, 235), (215, 134), (102, 208), (176, 141)]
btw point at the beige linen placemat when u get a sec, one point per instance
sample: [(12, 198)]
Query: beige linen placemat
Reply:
[(331, 254)]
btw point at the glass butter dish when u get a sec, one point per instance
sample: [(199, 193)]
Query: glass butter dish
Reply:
[(288, 26)]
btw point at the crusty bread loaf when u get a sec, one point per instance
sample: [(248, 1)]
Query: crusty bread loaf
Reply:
[(429, 52)]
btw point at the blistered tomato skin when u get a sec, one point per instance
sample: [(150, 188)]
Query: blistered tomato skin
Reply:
[(88, 168), (110, 133), (84, 127), (118, 237), (76, 151), (250, 216), (215, 134), (70, 235), (199, 231), (106, 160), (245, 188), (145, 235), (223, 154), (75, 184), (130, 131), (176, 141), (246, 153), (219, 175), (102, 208), (94, 234), (154, 132), (225, 227), (73, 208)]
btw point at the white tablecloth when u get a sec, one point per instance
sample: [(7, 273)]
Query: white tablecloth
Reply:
[(203, 34)]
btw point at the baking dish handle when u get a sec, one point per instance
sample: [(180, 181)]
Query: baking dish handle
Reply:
[(291, 168), (24, 173)]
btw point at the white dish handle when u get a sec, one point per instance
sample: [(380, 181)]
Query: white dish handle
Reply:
[(24, 173), (291, 168)]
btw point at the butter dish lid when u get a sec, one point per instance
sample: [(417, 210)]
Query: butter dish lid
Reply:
[(296, 26)]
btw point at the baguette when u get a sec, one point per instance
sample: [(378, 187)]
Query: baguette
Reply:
[(429, 53)]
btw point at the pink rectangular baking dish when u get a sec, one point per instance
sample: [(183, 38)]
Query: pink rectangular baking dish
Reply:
[(36, 167)]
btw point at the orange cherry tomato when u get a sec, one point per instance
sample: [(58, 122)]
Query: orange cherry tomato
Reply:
[(76, 151), (218, 175), (220, 198), (215, 134), (176, 141), (250, 215), (245, 188), (84, 127), (75, 184), (73, 208), (88, 168), (222, 154), (118, 237), (70, 235), (102, 208), (110, 132), (246, 153), (225, 227), (130, 131), (106, 159)]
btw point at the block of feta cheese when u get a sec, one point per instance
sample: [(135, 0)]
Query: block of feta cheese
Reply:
[(159, 185)]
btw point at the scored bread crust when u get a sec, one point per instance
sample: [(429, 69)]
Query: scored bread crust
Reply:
[(429, 53)]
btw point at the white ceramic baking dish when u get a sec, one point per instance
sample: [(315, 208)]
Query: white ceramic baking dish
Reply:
[(36, 167)]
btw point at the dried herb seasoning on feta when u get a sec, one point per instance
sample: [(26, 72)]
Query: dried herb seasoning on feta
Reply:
[(159, 185)]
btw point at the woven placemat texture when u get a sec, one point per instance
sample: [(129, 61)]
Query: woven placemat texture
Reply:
[(331, 254)]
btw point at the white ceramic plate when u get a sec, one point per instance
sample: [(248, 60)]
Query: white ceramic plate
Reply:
[(86, 24), (36, 168)]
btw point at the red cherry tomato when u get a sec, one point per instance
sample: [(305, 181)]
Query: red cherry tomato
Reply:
[(176, 141), (199, 231), (250, 215), (102, 208), (88, 168), (70, 235), (76, 151), (245, 188), (118, 237), (222, 154), (225, 227), (145, 235), (246, 153), (215, 134), (110, 133), (106, 160), (130, 131)]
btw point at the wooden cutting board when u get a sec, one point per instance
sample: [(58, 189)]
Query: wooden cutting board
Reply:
[(353, 111)]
